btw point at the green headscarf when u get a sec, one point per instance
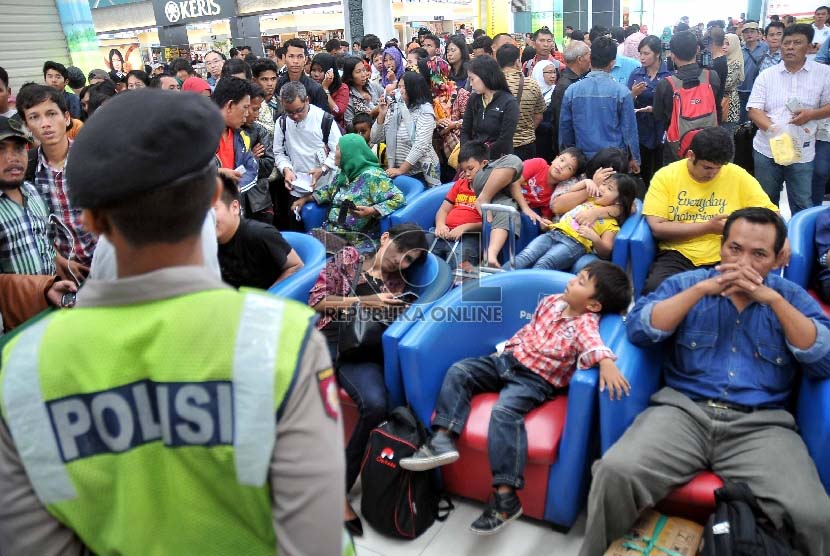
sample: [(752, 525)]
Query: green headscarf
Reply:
[(355, 158)]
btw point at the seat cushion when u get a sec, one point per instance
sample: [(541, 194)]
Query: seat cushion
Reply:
[(694, 500), (544, 427)]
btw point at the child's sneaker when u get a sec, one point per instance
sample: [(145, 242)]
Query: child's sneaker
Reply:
[(439, 450), (500, 510)]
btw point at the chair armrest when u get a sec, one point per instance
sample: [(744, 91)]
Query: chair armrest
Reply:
[(577, 449), (642, 250), (298, 285), (642, 368), (622, 243), (813, 419)]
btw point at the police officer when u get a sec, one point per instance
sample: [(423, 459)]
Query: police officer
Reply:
[(167, 413)]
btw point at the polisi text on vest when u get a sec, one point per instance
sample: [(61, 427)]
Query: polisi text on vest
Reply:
[(122, 418)]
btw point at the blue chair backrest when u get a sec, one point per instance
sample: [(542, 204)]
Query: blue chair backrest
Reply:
[(409, 186), (411, 189), (801, 231), (422, 209), (313, 255)]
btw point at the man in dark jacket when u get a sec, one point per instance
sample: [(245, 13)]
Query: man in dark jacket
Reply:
[(256, 202), (578, 58), (296, 55)]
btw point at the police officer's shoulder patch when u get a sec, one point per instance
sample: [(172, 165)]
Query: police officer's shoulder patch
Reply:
[(327, 385)]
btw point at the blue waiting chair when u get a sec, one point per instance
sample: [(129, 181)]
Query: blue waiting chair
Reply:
[(314, 215), (561, 432), (313, 255)]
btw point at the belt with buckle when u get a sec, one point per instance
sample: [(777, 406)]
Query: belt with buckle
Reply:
[(720, 404)]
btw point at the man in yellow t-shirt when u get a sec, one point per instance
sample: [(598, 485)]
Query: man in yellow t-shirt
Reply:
[(688, 202)]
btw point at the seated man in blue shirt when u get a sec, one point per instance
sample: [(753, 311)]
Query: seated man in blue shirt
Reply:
[(738, 335), (598, 94), (821, 269)]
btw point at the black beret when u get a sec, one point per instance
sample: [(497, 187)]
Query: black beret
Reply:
[(139, 141)]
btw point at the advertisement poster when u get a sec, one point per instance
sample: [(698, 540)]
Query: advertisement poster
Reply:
[(120, 57)]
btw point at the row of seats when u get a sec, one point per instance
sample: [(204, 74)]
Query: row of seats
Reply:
[(568, 433)]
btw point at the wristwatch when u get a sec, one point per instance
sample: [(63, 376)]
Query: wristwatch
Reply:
[(823, 260)]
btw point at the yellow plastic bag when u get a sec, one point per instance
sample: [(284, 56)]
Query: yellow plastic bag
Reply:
[(784, 150)]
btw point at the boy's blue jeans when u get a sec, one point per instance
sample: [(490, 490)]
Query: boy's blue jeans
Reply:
[(520, 390), (551, 251)]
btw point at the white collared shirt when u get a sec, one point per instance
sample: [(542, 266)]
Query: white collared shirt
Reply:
[(302, 149), (776, 86)]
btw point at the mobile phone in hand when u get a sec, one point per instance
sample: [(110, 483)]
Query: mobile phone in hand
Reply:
[(407, 297)]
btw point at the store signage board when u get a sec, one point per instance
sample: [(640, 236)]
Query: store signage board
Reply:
[(182, 12)]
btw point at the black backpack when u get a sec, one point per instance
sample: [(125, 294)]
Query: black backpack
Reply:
[(397, 502), (740, 528), (325, 127)]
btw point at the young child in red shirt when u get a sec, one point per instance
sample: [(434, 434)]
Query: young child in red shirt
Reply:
[(539, 179), (457, 233)]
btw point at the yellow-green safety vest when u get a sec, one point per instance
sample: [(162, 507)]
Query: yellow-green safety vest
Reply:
[(148, 428)]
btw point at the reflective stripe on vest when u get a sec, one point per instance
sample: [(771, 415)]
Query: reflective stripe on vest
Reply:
[(29, 422), (253, 375), (254, 357)]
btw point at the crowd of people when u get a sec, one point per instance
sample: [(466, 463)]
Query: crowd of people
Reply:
[(700, 127)]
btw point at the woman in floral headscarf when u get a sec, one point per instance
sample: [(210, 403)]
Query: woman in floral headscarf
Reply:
[(393, 67), (449, 103)]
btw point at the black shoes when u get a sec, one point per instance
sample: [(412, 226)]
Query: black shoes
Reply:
[(500, 510)]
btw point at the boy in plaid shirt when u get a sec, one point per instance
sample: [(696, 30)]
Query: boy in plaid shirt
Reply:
[(537, 362)]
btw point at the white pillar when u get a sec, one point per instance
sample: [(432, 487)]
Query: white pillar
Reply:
[(377, 19)]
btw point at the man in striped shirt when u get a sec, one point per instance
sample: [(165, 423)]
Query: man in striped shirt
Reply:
[(24, 220), (793, 97), (529, 96), (45, 113)]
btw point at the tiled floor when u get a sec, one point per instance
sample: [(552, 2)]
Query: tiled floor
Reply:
[(523, 537)]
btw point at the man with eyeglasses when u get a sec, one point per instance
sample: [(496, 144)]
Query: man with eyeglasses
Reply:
[(296, 56), (304, 142), (213, 63)]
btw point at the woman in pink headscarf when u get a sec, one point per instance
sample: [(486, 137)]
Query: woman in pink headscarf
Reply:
[(196, 85)]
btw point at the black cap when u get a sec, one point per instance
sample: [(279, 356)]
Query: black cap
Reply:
[(12, 128), (161, 137)]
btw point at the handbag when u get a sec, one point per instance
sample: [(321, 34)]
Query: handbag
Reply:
[(360, 333)]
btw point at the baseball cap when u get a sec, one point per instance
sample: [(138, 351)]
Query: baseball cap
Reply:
[(750, 25), (12, 128), (98, 74)]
